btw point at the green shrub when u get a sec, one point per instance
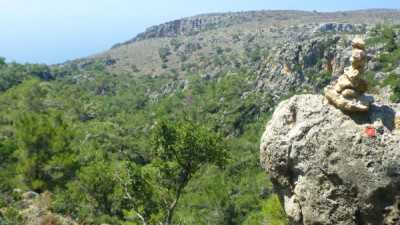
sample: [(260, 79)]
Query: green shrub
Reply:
[(183, 57), (12, 216), (393, 80), (395, 97), (383, 33), (318, 80), (164, 52), (176, 43), (219, 50), (274, 212), (2, 61)]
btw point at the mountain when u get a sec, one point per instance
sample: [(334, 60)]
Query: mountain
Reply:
[(87, 135), (283, 47), (202, 34)]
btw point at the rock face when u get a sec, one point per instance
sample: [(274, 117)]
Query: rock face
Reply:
[(334, 167), (189, 26), (290, 63)]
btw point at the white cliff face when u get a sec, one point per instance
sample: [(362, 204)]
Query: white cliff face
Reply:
[(334, 167)]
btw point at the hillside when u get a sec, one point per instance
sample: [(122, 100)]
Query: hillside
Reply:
[(291, 43), (197, 39), (82, 142)]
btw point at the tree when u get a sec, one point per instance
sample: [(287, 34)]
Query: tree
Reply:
[(182, 149), (99, 187), (40, 70), (2, 61), (140, 191), (44, 155), (390, 36)]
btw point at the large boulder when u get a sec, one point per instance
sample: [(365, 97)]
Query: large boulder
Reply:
[(334, 167)]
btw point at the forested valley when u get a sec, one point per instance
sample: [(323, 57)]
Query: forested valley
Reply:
[(92, 148)]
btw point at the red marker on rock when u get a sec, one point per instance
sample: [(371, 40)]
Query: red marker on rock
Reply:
[(370, 131)]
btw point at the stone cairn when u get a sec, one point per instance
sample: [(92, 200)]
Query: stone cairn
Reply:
[(348, 93)]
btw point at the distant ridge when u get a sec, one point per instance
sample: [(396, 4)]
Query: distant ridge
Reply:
[(189, 26), (206, 43)]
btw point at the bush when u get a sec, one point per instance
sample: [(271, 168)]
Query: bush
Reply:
[(395, 97), (393, 80), (164, 53), (176, 43), (183, 57), (219, 50), (383, 33), (320, 80), (11, 216), (274, 211), (2, 61)]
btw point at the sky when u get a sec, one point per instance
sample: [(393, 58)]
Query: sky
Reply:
[(54, 31)]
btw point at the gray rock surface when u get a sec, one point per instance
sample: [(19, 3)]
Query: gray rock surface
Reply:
[(189, 26), (30, 195), (324, 167), (174, 86), (287, 68)]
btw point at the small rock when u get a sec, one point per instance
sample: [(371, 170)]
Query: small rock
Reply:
[(349, 93), (206, 77), (30, 195)]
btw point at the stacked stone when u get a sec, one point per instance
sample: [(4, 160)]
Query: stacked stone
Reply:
[(348, 93), (351, 85)]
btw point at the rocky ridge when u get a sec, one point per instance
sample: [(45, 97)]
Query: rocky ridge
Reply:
[(190, 26), (334, 167), (288, 50)]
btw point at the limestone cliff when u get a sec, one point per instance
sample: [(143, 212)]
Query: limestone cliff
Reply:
[(189, 26), (334, 167)]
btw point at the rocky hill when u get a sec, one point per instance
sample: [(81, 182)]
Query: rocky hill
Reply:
[(285, 48), (193, 25), (327, 168)]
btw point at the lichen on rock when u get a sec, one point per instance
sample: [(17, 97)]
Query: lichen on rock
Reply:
[(348, 93)]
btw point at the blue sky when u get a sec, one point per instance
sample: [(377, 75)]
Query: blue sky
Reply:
[(54, 31)]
